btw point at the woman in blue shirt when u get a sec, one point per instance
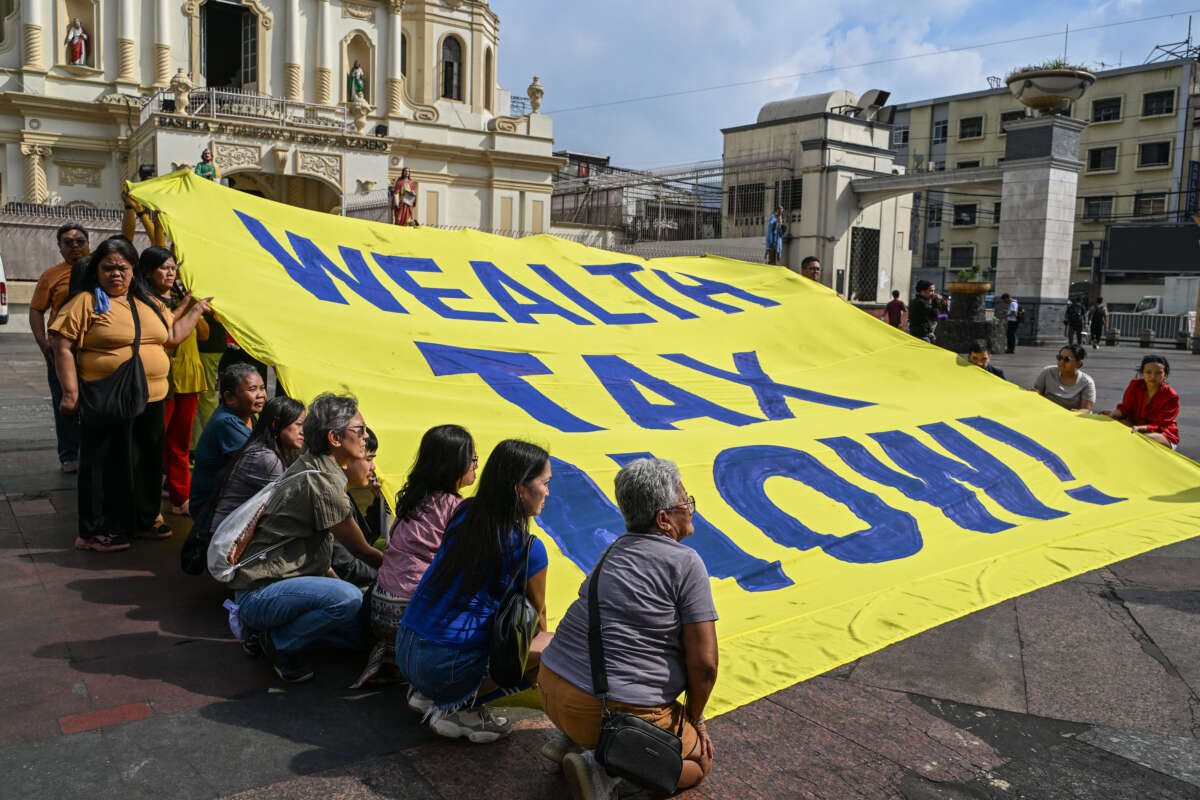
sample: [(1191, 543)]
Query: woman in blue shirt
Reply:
[(442, 644)]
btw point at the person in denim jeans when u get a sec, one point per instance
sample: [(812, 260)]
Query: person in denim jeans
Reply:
[(442, 644), (287, 588)]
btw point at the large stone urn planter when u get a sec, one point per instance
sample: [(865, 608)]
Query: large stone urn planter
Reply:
[(967, 320), (1049, 90)]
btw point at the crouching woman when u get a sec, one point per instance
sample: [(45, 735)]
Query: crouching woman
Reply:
[(291, 594), (442, 646), (658, 627)]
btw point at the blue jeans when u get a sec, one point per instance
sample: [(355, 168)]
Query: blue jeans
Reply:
[(66, 426), (450, 678), (297, 612)]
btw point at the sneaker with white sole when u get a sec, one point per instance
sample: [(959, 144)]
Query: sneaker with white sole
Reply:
[(479, 725), (418, 702), (557, 746), (587, 779)]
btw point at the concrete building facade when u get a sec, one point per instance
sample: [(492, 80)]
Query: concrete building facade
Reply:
[(1138, 150), (266, 84)]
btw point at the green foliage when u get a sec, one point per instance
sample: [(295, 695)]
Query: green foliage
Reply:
[(1053, 63), (970, 274)]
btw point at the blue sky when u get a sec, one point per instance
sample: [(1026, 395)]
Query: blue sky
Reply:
[(587, 53)]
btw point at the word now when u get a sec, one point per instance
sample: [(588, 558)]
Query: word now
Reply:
[(583, 522), (314, 271)]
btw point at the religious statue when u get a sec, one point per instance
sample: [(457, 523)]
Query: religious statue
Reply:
[(356, 82), (77, 44), (182, 87), (206, 168), (359, 109), (535, 91), (404, 199)]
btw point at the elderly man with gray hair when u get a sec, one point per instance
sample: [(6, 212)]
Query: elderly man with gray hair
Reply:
[(658, 628), (286, 588)]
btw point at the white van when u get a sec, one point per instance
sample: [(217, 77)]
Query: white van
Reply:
[(3, 295)]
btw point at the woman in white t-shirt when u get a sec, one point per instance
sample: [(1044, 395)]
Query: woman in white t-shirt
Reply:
[(1066, 383)]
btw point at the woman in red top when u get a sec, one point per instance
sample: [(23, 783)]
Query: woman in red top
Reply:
[(1149, 405)]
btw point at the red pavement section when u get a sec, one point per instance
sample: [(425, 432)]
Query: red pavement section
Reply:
[(95, 639)]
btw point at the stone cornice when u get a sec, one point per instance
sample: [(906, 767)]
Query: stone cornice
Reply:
[(274, 133), (23, 104)]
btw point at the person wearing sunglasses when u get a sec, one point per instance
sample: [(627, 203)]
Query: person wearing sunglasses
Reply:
[(659, 630), (446, 464), (287, 587), (1066, 383)]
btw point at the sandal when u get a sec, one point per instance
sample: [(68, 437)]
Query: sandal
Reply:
[(103, 543), (159, 531)]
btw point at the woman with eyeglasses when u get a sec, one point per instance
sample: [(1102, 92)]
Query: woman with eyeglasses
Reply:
[(1066, 383), (442, 646), (446, 464), (659, 633), (287, 588)]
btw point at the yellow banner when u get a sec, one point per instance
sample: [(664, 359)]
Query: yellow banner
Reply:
[(854, 486)]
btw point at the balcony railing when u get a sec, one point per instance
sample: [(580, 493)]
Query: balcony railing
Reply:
[(236, 104)]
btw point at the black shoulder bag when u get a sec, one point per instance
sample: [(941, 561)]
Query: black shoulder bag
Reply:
[(513, 629), (121, 396), (629, 747)]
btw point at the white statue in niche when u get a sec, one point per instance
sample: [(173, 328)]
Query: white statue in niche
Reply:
[(77, 44)]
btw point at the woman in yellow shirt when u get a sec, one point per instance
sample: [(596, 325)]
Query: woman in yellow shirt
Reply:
[(120, 464)]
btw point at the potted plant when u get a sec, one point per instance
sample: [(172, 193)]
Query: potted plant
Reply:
[(1049, 87), (969, 281)]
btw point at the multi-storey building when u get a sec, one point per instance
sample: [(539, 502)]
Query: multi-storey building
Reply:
[(272, 87), (1137, 151)]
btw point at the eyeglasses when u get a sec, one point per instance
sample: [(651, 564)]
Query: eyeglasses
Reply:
[(689, 505), (359, 430), (474, 461), (1066, 358), (74, 242)]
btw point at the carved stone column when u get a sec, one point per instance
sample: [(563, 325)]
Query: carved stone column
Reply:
[(395, 77), (126, 50), (35, 172), (324, 64), (162, 42), (35, 55), (293, 87)]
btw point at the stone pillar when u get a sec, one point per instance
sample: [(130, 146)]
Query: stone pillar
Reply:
[(35, 172), (162, 42), (293, 86), (395, 77), (324, 64), (126, 49), (35, 51), (1037, 221)]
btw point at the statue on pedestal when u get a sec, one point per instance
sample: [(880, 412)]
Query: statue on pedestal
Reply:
[(536, 92), (404, 198), (206, 168), (182, 87), (356, 82), (77, 44)]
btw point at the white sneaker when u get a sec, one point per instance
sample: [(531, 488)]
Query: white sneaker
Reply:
[(479, 725), (418, 702), (587, 778)]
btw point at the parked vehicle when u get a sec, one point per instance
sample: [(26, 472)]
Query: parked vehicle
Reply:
[(1178, 297)]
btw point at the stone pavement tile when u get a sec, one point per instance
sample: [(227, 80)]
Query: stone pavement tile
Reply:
[(1188, 548), (1082, 663), (512, 765), (104, 717), (1177, 756), (1161, 573), (392, 777), (65, 501), (27, 461), (1169, 619), (69, 766), (31, 508), (975, 659), (769, 751), (8, 522), (891, 726), (17, 569), (33, 700), (35, 482)]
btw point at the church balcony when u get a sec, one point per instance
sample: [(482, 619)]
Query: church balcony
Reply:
[(234, 104)]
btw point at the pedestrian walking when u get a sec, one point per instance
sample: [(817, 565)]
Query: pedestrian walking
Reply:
[(1073, 317), (1098, 321), (894, 311)]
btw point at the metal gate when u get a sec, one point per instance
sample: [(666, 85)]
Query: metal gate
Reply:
[(864, 264)]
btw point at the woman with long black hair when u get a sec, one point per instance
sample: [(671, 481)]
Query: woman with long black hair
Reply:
[(120, 469), (442, 644), (446, 463)]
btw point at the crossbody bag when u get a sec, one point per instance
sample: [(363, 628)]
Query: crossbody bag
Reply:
[(121, 395), (629, 747)]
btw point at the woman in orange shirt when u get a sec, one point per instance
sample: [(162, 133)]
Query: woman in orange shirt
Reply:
[(120, 464)]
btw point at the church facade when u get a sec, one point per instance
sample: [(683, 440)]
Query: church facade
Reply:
[(316, 103)]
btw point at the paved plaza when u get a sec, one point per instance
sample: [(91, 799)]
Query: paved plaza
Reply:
[(121, 679)]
